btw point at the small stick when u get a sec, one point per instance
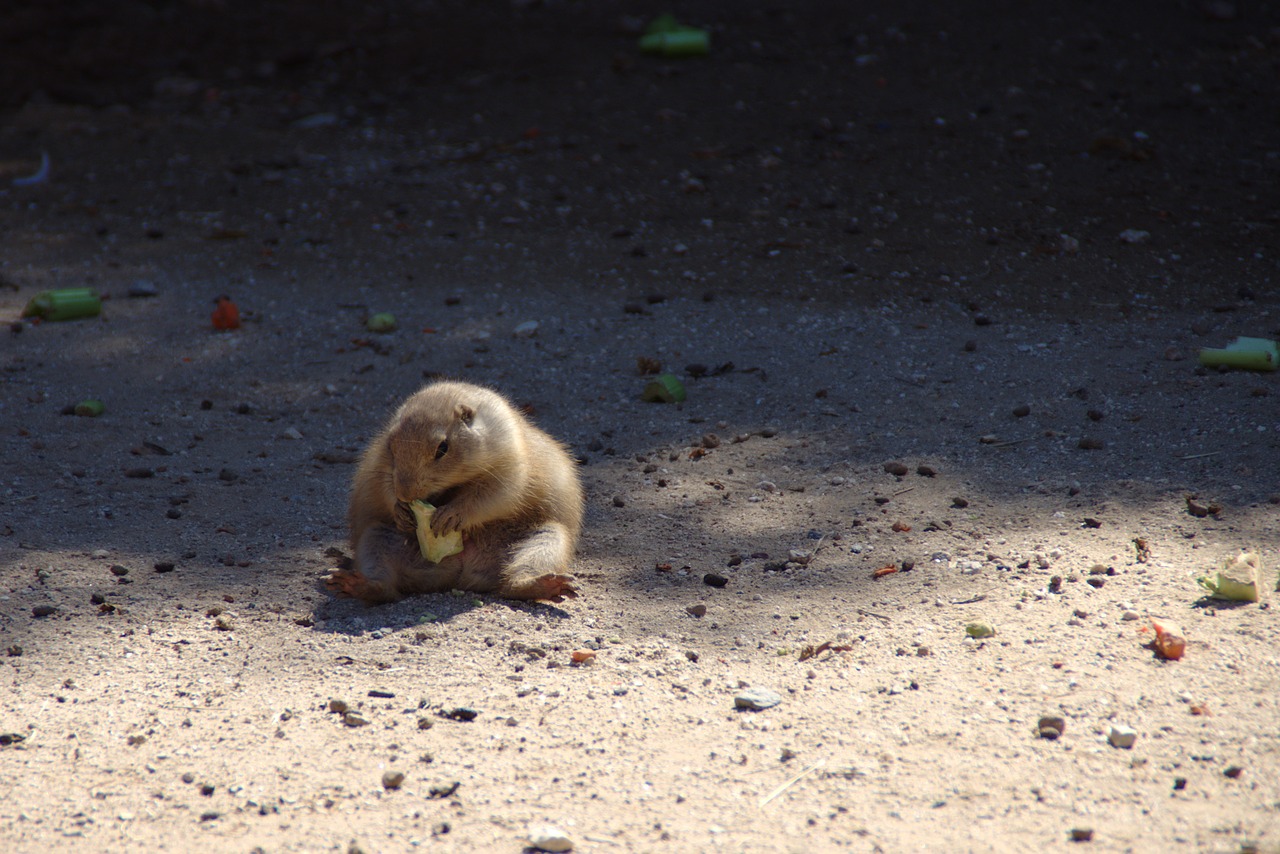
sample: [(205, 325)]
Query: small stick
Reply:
[(796, 779), (903, 491), (874, 614), (970, 601), (1200, 456), (1009, 442)]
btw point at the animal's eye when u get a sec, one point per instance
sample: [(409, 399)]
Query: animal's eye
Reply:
[(442, 449)]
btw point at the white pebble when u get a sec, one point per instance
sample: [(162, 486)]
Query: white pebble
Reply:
[(1122, 736), (548, 837)]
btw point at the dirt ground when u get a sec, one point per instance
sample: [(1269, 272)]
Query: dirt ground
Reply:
[(982, 241)]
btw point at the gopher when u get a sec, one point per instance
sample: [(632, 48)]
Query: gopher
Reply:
[(510, 489)]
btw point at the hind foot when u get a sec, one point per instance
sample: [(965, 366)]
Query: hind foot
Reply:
[(551, 587), (352, 583)]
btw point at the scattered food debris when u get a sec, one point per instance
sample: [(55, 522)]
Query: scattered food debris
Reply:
[(1254, 354), (64, 304), (226, 315), (665, 388), (1238, 579), (1169, 643), (979, 630)]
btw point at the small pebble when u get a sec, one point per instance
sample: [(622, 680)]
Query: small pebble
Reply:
[(1233, 771), (1122, 737), (926, 471), (1051, 727), (756, 699), (696, 610), (548, 837), (1081, 834), (392, 779), (714, 579), (959, 503), (354, 720), (43, 610), (1091, 444), (895, 468), (462, 713), (1021, 411)]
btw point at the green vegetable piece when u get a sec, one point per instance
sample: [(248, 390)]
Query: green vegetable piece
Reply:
[(434, 549), (667, 36), (979, 630), (90, 408), (1236, 581), (64, 304), (1255, 354), (383, 321), (686, 42), (665, 388)]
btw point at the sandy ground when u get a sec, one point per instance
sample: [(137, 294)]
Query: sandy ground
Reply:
[(892, 235)]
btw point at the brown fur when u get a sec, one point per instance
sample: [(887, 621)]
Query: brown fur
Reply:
[(511, 489)]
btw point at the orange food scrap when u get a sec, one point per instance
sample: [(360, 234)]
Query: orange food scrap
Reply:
[(226, 315), (901, 527), (582, 656), (1201, 710), (1169, 643), (884, 570)]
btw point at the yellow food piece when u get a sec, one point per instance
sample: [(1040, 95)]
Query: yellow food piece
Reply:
[(434, 549), (1238, 579)]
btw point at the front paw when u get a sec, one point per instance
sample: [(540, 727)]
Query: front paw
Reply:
[(406, 522), (446, 520)]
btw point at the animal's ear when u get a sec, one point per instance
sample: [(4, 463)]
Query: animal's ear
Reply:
[(464, 413)]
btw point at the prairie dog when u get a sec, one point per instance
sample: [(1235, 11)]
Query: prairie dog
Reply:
[(511, 489)]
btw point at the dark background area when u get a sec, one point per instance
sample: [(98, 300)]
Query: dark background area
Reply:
[(907, 143)]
